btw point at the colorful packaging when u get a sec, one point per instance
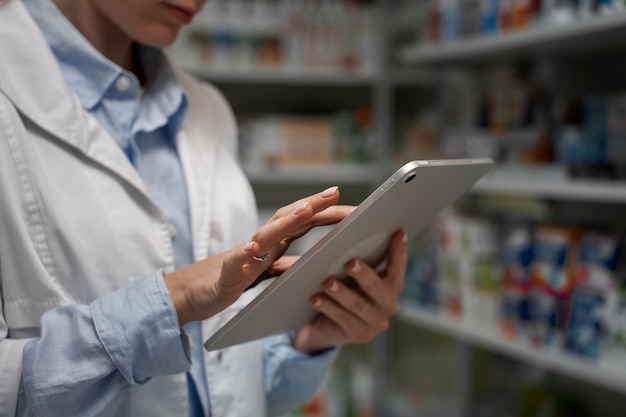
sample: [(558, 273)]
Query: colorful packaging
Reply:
[(596, 264), (552, 281), (587, 326), (597, 259), (480, 292), (516, 254), (421, 286)]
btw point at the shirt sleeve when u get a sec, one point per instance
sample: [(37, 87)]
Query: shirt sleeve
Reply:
[(292, 377), (88, 356)]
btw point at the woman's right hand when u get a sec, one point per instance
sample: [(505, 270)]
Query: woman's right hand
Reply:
[(205, 288)]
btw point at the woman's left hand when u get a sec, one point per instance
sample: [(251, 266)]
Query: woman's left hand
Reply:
[(356, 315)]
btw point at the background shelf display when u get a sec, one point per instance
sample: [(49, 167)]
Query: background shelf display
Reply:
[(607, 375), (397, 81), (550, 40), (281, 77), (541, 80), (350, 173), (550, 183)]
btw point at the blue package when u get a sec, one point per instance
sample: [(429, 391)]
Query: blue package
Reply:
[(599, 249), (421, 287), (542, 314), (489, 17), (516, 254), (586, 329)]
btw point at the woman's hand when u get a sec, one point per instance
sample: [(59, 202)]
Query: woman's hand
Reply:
[(356, 315), (205, 288)]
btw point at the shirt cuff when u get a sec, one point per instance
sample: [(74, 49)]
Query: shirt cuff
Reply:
[(138, 327), (285, 362)]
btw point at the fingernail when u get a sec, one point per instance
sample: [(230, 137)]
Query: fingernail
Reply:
[(334, 287), (248, 246), (329, 192), (301, 208), (317, 302), (356, 267), (404, 237)]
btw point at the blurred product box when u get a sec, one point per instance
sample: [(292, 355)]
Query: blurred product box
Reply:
[(287, 141), (303, 141), (306, 141), (552, 280), (595, 295), (516, 254), (454, 20), (281, 36), (587, 327), (546, 286)]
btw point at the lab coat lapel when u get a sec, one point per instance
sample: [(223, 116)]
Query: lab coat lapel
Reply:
[(48, 101), (197, 140)]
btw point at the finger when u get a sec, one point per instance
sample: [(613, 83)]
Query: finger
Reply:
[(276, 269), (350, 300), (272, 233), (396, 261), (237, 267), (331, 215), (318, 202), (281, 265), (351, 326), (373, 286)]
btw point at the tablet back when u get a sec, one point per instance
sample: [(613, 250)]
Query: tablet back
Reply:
[(410, 199)]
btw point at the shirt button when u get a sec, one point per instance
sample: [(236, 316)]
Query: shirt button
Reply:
[(171, 229), (216, 231), (122, 83), (276, 382)]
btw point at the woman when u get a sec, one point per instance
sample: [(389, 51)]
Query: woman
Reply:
[(128, 231)]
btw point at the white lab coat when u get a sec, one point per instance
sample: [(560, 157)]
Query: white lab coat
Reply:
[(76, 221)]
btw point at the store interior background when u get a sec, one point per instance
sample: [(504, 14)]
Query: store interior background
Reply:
[(514, 304)]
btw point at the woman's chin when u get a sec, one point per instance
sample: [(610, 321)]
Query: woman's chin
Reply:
[(161, 37)]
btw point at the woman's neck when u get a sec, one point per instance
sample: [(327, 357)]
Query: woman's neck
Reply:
[(103, 34)]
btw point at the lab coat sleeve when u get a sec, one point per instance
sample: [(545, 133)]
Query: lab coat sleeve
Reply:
[(10, 368), (88, 356), (292, 377)]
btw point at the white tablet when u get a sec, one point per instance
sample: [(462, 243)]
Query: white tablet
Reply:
[(410, 199)]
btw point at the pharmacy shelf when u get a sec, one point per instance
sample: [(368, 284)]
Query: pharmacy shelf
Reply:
[(269, 76), (550, 183), (277, 76), (547, 182), (602, 374), (355, 174), (593, 33)]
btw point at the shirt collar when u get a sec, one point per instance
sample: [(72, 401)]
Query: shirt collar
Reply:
[(87, 71), (164, 94), (91, 75)]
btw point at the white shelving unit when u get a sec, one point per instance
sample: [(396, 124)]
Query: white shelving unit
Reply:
[(602, 34), (606, 375), (550, 183), (553, 40), (365, 85), (348, 173), (281, 77), (549, 39), (265, 76)]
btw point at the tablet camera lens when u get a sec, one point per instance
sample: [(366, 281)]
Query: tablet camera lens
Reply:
[(409, 178)]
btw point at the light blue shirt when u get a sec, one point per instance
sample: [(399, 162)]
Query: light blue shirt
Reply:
[(144, 123)]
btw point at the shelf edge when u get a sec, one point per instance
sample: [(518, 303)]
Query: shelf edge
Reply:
[(605, 375)]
